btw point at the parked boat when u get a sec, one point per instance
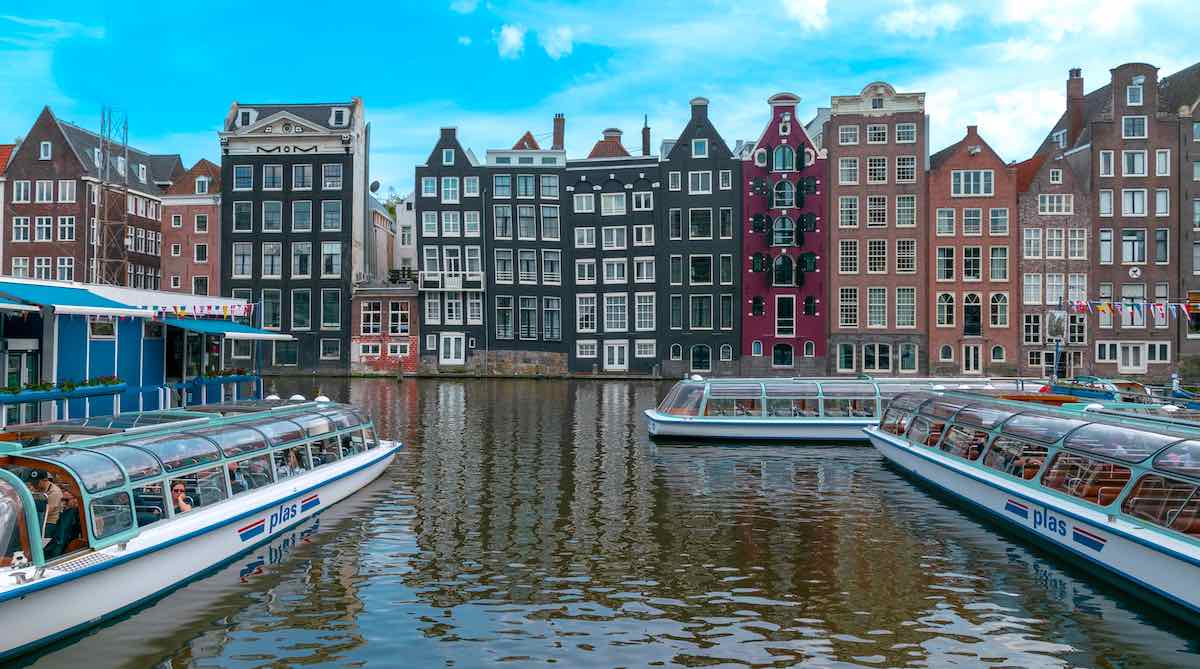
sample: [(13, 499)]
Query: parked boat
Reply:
[(1099, 388), (1119, 493), (796, 409), (92, 525)]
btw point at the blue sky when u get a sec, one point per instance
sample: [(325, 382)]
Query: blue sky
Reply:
[(496, 69)]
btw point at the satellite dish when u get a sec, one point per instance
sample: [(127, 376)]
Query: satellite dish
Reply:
[(374, 186)]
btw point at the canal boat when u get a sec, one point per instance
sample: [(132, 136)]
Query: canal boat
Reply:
[(1100, 388), (92, 525), (797, 409), (1116, 492)]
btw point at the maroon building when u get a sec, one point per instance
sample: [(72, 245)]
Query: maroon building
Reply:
[(783, 249), (60, 178), (192, 231)]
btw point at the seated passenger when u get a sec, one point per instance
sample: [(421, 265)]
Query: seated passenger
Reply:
[(179, 497), (237, 479), (291, 466), (66, 530), (40, 483)]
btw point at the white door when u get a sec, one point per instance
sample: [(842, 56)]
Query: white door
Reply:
[(616, 356), (1133, 358), (971, 359), (452, 350)]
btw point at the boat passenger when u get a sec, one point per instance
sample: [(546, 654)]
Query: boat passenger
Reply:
[(66, 530), (291, 466), (179, 496), (41, 484), (238, 482)]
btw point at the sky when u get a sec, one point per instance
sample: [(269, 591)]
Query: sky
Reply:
[(496, 69)]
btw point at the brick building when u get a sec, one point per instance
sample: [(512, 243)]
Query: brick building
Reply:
[(972, 198), (384, 331), (878, 155), (192, 231), (54, 184)]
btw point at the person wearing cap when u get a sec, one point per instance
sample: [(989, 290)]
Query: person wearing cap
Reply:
[(40, 483)]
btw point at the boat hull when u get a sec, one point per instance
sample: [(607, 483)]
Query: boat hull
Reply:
[(112, 581), (1154, 563), (773, 429)]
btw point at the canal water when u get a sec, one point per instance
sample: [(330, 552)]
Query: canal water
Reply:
[(532, 523)]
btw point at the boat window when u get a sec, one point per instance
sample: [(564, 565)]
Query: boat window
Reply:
[(1089, 479), (1166, 502), (683, 400), (291, 462), (964, 442), (369, 437), (111, 515), (848, 390), (1118, 442), (1018, 458), (836, 407), (278, 430), (910, 401), (344, 417), (149, 504), (1040, 427), (13, 533), (250, 473), (234, 439), (801, 406), (138, 464), (96, 472), (1181, 458), (352, 443), (179, 451), (943, 408), (791, 389), (198, 489), (895, 421), (314, 424), (925, 431), (735, 390), (863, 407), (325, 451), (981, 416)]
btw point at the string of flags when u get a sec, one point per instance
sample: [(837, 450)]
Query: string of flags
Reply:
[(1160, 310), (199, 310)]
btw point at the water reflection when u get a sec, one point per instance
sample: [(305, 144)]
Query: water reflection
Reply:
[(532, 522)]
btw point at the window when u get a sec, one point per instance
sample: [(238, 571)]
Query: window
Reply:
[(585, 271), (527, 271), (1054, 243), (272, 177), (1162, 253), (612, 204), (906, 256), (243, 177), (428, 186), (1133, 202), (967, 183), (586, 349), (847, 134), (877, 307), (644, 312), (700, 224), (945, 310), (1076, 286), (724, 224), (877, 170), (998, 264), (525, 185), (1133, 163), (1133, 246), (785, 315), (1133, 127), (945, 222), (701, 270), (906, 307), (848, 212), (301, 260), (331, 215), (877, 261), (1056, 176), (44, 150), (848, 256), (272, 309), (243, 259), (21, 191), (331, 260), (526, 222), (972, 222), (726, 269), (972, 263), (1077, 243), (782, 274), (614, 270), (44, 191), (725, 179), (643, 270), (616, 313), (700, 148), (502, 221), (848, 171), (502, 185), (527, 318), (613, 238), (272, 216), (945, 263), (699, 183), (1055, 288), (783, 195), (1162, 202), (551, 267), (1106, 294), (471, 223), (585, 238), (999, 311), (906, 169), (585, 313), (848, 307), (1133, 293), (676, 267), (200, 253), (877, 133), (331, 177), (876, 211), (1106, 246), (20, 267), (1162, 163), (675, 224), (331, 309), (676, 310), (674, 181), (43, 230), (643, 201), (450, 190)]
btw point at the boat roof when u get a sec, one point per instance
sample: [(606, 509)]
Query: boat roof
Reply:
[(101, 425)]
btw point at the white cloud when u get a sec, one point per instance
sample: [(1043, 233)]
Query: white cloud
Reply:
[(1057, 18), (812, 15), (464, 6), (464, 40), (923, 21), (558, 41), (1016, 50), (510, 41)]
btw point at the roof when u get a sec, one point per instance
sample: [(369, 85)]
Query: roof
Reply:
[(228, 329), (938, 158), (526, 143), (66, 299), (186, 183), (5, 153), (609, 146), (159, 168), (379, 207), (317, 113), (1027, 171)]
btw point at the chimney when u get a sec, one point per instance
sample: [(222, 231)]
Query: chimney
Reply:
[(972, 131), (646, 135), (449, 133), (699, 109), (560, 129), (1074, 105)]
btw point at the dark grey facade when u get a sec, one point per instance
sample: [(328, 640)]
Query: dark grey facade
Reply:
[(699, 249), (293, 219)]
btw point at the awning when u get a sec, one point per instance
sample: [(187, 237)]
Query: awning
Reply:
[(66, 299), (6, 305), (227, 329)]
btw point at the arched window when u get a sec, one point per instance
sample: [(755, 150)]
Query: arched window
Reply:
[(676, 352), (946, 354), (783, 232), (784, 195), (701, 358), (781, 355), (810, 349), (945, 309), (726, 352), (783, 271), (785, 159), (972, 315), (756, 348), (999, 310), (997, 354)]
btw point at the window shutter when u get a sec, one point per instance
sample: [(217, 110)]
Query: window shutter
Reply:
[(759, 223), (798, 238)]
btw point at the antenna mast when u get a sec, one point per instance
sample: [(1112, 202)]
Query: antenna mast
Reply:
[(109, 253)]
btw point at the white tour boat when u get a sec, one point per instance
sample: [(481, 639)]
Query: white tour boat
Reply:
[(1118, 493), (98, 516), (797, 409)]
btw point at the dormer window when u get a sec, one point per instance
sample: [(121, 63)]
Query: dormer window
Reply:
[(877, 102), (96, 156), (700, 148), (447, 156), (1055, 176), (121, 165), (245, 118), (44, 151), (201, 185), (1060, 139), (1133, 92), (339, 117), (141, 172)]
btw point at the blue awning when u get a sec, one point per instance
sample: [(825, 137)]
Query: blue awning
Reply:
[(227, 329), (6, 305), (66, 299)]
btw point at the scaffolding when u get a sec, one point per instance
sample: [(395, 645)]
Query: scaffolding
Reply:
[(107, 249)]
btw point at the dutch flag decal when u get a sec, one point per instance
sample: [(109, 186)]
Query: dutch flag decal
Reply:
[(1092, 541), (253, 529), (310, 502), (1017, 509)]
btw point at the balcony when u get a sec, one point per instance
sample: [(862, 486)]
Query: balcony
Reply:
[(451, 281)]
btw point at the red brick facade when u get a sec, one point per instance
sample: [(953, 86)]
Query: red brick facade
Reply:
[(192, 232), (384, 334)]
